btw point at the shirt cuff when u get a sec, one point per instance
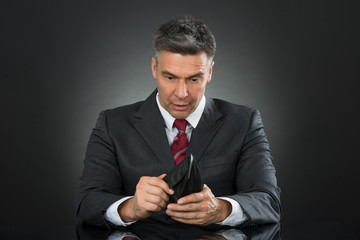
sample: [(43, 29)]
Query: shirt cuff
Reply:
[(237, 215), (113, 216)]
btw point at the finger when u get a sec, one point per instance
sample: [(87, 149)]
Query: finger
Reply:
[(160, 183), (204, 206), (157, 193), (162, 176), (150, 186), (150, 196), (171, 191), (152, 207), (150, 190), (196, 197), (156, 200), (147, 190), (204, 195), (192, 198), (190, 207), (185, 215)]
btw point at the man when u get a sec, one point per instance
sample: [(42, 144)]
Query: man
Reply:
[(131, 149)]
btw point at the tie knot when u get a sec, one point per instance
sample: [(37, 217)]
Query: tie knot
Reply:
[(180, 124)]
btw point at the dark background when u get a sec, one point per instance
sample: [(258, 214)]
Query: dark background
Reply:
[(62, 62)]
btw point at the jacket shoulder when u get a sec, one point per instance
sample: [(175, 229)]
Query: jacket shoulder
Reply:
[(124, 110), (231, 109), (121, 114)]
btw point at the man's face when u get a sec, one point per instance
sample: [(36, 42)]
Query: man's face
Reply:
[(181, 81)]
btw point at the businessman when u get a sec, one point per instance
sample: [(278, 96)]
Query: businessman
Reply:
[(133, 147)]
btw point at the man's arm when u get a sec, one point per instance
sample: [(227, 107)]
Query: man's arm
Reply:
[(100, 185), (256, 184)]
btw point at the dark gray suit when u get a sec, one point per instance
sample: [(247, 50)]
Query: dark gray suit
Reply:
[(229, 145)]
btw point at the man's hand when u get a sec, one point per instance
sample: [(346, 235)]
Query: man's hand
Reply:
[(151, 196), (201, 208)]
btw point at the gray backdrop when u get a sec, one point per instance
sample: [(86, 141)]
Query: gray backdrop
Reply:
[(62, 62)]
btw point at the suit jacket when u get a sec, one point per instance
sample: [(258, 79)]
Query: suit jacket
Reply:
[(229, 146)]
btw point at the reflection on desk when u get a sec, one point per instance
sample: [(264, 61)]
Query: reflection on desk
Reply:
[(299, 231), (151, 230)]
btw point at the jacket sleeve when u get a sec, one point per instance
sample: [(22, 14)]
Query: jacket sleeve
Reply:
[(256, 184), (100, 184)]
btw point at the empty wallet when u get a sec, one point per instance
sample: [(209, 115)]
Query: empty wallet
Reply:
[(184, 179)]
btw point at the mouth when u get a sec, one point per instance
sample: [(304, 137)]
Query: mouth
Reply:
[(180, 107)]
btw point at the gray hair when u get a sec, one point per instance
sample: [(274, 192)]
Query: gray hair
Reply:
[(184, 35)]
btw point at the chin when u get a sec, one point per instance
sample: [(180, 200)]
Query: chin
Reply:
[(180, 115)]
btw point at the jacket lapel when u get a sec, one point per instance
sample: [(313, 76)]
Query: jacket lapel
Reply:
[(202, 135), (151, 126)]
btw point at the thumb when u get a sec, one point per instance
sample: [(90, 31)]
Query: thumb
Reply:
[(170, 191)]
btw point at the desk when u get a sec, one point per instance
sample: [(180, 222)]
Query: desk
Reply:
[(318, 231)]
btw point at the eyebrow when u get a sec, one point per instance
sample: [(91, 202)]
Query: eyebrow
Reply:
[(199, 74)]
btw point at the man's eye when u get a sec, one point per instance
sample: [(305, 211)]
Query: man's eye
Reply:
[(169, 78), (195, 79)]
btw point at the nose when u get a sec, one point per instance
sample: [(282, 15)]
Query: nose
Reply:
[(181, 89)]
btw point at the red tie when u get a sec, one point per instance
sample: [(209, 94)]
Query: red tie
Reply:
[(180, 142)]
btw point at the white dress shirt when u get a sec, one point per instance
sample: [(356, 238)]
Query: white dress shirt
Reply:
[(237, 215)]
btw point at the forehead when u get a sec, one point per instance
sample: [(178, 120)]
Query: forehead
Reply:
[(177, 63)]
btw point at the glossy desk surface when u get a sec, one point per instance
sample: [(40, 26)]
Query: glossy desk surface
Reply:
[(318, 231)]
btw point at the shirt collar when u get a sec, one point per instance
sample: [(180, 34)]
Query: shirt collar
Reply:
[(193, 118)]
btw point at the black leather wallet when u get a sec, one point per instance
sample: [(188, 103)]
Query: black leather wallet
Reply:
[(184, 179)]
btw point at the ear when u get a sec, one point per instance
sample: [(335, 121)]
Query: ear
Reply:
[(153, 67), (211, 71)]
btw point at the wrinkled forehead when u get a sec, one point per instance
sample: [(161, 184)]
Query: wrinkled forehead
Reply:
[(166, 59)]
